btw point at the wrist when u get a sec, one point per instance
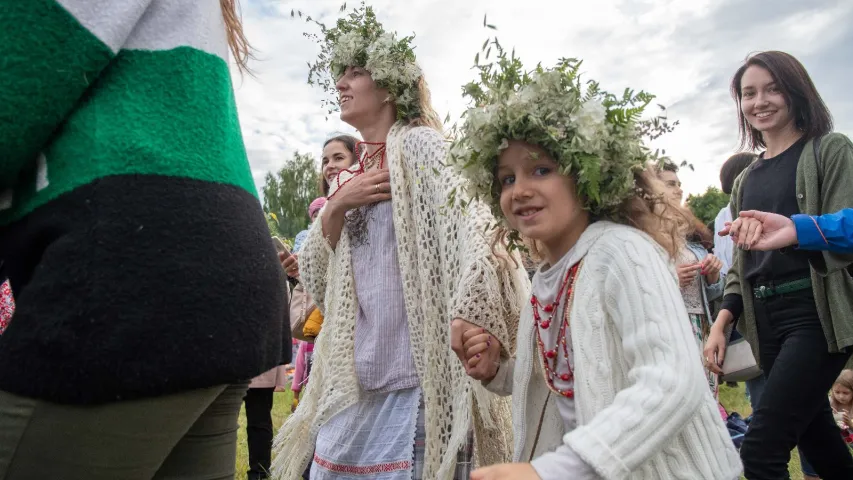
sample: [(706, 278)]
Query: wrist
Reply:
[(334, 208), (724, 318)]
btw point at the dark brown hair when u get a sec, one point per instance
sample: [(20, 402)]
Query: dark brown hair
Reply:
[(732, 168), (667, 166), (810, 113), (350, 142)]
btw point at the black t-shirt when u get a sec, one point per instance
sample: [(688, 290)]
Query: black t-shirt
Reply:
[(771, 186)]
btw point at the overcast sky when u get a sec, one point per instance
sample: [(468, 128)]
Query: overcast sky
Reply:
[(683, 51)]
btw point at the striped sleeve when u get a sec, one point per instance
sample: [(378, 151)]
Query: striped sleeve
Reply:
[(52, 51)]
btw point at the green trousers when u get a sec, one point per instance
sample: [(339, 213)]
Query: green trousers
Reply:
[(191, 435)]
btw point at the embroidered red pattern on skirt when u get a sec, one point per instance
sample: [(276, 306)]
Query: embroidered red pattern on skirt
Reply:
[(363, 470)]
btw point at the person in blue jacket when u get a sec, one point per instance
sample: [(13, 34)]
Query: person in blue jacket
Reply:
[(755, 230)]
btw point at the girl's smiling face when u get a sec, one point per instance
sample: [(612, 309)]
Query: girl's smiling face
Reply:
[(336, 157), (763, 103), (537, 200)]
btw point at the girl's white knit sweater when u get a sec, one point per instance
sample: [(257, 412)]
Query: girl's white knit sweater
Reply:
[(644, 410)]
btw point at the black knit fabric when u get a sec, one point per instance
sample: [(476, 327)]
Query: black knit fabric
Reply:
[(137, 286)]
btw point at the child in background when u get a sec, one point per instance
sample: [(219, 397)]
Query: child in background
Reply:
[(841, 401), (7, 305)]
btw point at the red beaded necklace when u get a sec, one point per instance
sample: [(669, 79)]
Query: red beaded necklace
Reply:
[(364, 162), (550, 357)]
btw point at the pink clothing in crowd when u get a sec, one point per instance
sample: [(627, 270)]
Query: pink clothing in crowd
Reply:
[(300, 373), (7, 305)]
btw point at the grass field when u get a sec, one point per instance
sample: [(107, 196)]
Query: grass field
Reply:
[(733, 399)]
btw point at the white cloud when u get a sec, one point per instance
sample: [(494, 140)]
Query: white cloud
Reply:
[(684, 51)]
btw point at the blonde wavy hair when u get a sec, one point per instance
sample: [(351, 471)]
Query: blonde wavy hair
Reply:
[(427, 115), (239, 45), (648, 210)]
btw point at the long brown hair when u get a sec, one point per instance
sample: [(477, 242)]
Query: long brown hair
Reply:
[(240, 47), (733, 167), (428, 117), (650, 210), (697, 231), (806, 105)]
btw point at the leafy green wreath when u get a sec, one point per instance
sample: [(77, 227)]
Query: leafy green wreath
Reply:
[(594, 136), (359, 40)]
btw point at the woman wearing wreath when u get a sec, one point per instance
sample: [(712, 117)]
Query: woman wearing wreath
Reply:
[(391, 267)]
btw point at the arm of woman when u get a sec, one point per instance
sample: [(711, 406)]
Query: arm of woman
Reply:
[(52, 51), (666, 385), (832, 231), (314, 258), (715, 290), (837, 182), (488, 292)]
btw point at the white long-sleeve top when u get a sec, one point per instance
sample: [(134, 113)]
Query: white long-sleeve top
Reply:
[(642, 405), (723, 245)]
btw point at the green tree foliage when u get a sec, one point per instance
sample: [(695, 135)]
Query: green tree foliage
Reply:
[(287, 194), (707, 205)]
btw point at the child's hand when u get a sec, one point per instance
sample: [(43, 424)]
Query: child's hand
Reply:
[(483, 365), (506, 471), (482, 353), (711, 267), (687, 273)]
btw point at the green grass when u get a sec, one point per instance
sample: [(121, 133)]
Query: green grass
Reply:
[(734, 399)]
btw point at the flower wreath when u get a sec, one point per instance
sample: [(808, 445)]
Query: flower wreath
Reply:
[(360, 40), (595, 136)]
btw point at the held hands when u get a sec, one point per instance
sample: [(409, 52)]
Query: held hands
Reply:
[(754, 230), (372, 186), (506, 471), (477, 349)]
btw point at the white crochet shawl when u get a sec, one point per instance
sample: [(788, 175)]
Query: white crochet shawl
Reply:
[(448, 271)]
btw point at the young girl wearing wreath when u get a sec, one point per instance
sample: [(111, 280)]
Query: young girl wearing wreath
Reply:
[(605, 382), (389, 276)]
